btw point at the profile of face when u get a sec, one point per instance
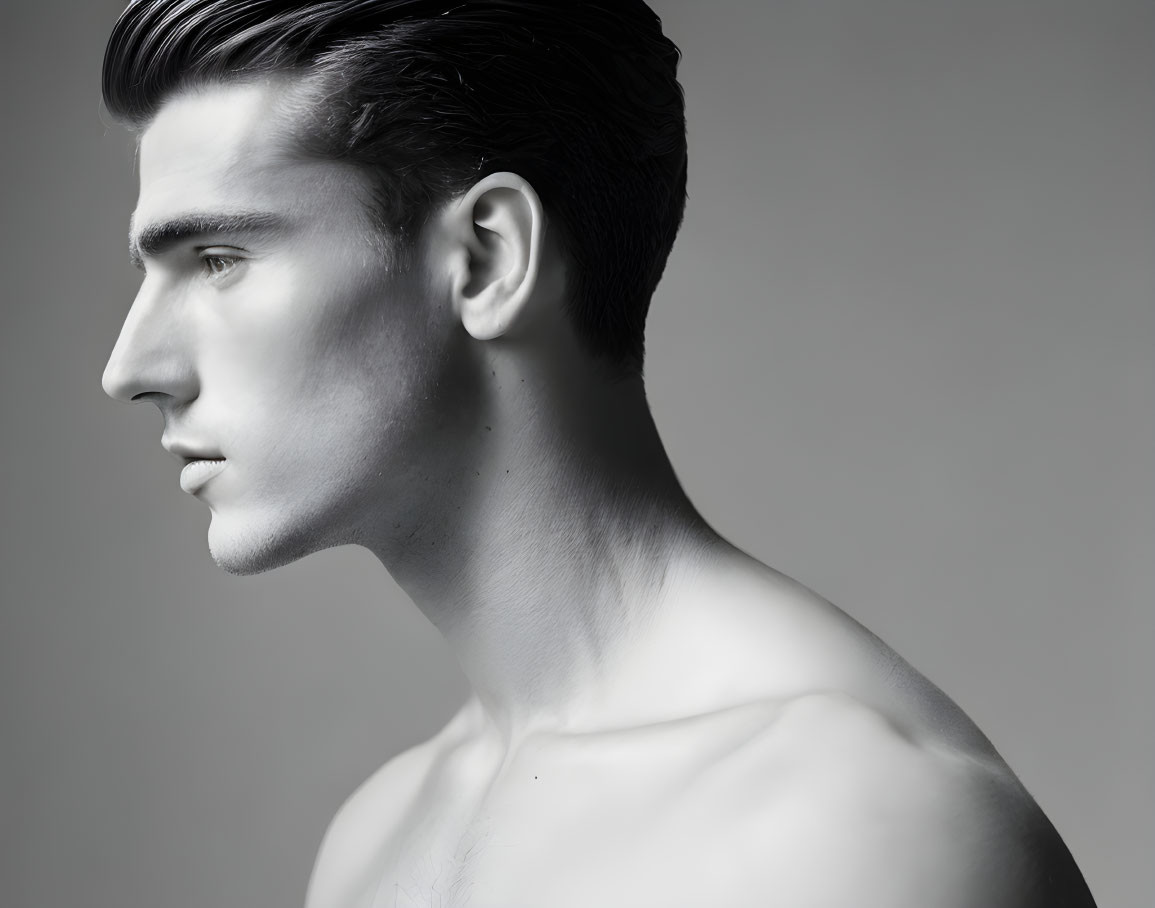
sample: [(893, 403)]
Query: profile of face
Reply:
[(305, 380)]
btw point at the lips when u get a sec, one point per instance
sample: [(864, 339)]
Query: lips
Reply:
[(197, 472), (201, 462)]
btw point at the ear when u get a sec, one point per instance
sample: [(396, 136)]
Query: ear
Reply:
[(500, 226)]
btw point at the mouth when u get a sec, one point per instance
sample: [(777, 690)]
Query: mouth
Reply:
[(197, 472)]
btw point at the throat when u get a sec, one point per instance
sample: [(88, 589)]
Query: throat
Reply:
[(550, 538), (540, 636)]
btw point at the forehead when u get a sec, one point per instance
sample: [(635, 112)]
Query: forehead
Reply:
[(223, 147)]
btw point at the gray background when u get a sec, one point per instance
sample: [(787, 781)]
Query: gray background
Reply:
[(903, 352)]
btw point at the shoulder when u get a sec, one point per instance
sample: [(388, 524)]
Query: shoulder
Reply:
[(836, 804), (360, 834)]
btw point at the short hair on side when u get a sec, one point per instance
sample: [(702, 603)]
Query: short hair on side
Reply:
[(581, 98)]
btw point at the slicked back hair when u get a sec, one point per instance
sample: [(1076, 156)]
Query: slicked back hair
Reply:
[(580, 97)]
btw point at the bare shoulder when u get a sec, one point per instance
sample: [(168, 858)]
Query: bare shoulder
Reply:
[(347, 867), (847, 808)]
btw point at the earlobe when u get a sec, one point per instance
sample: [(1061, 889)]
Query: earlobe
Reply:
[(501, 225)]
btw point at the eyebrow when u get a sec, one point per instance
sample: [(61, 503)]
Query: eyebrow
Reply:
[(152, 240)]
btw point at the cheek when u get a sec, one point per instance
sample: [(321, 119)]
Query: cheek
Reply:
[(320, 366), (300, 332)]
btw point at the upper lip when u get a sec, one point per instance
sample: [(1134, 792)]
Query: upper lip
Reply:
[(189, 452)]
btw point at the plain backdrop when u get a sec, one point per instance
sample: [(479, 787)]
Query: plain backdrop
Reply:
[(903, 352)]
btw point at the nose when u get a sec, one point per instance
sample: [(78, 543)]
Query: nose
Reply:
[(153, 353)]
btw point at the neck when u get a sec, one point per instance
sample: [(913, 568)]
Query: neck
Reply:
[(552, 543)]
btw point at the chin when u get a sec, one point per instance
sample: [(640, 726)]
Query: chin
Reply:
[(247, 550)]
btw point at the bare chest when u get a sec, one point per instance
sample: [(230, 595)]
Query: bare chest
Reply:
[(593, 846), (508, 845), (680, 816), (597, 825)]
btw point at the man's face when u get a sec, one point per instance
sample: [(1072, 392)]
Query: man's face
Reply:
[(297, 371)]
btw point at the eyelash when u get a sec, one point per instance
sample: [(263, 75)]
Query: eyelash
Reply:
[(228, 262)]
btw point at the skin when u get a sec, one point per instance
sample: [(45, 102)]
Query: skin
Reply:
[(658, 719)]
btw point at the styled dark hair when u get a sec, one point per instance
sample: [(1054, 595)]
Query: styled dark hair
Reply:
[(580, 97)]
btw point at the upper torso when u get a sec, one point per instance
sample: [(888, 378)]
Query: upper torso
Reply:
[(829, 774)]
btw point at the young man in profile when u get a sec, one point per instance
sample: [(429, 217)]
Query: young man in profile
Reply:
[(397, 258)]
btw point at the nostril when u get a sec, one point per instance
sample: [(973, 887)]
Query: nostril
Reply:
[(149, 358), (122, 385)]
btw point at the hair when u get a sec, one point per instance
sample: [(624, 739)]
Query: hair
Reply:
[(579, 97)]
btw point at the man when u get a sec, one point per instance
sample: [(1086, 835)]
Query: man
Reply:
[(397, 257)]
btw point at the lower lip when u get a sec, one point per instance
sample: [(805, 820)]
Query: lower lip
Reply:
[(197, 473)]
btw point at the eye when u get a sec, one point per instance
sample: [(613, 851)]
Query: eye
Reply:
[(218, 264)]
